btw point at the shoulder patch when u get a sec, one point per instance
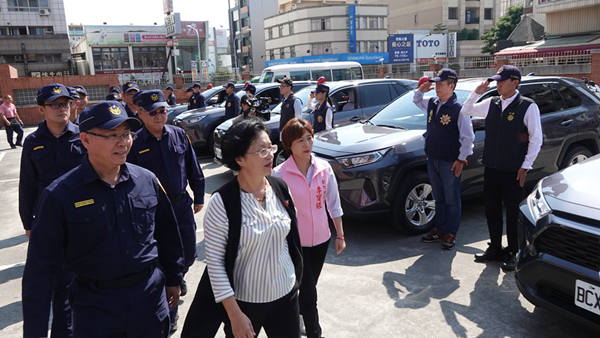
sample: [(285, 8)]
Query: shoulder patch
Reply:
[(84, 203), (144, 151), (38, 148)]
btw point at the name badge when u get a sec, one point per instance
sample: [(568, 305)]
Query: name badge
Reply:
[(144, 151), (84, 203)]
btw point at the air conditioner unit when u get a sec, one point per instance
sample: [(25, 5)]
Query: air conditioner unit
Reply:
[(44, 12)]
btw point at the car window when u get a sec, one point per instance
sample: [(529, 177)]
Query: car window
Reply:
[(303, 94), (356, 73), (375, 95), (303, 75), (316, 74), (398, 89), (560, 103), (571, 99), (541, 94), (346, 99), (278, 77), (266, 77), (271, 94), (341, 74)]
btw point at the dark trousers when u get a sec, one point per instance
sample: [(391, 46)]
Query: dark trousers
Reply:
[(446, 191), (313, 259), (16, 127), (279, 318), (502, 187), (62, 318)]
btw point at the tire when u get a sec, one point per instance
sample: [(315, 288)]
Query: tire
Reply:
[(575, 155), (413, 209)]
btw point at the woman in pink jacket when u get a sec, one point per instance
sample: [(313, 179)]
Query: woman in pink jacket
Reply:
[(313, 187)]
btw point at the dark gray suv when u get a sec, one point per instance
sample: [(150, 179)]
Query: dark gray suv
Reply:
[(381, 165)]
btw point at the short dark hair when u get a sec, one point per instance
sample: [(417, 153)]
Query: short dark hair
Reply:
[(237, 140), (252, 90), (452, 82), (292, 131)]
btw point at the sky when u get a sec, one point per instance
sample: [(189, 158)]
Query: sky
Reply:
[(144, 12)]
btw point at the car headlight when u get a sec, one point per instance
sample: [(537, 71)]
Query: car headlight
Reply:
[(537, 203), (196, 119), (362, 159)]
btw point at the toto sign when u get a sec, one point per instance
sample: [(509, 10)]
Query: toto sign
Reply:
[(426, 46)]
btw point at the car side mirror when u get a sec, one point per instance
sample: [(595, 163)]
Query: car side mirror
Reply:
[(212, 101)]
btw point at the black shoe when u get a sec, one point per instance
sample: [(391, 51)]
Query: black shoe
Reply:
[(432, 236), (510, 261), (19, 145), (13, 147), (183, 289), (491, 254), (448, 242), (174, 320)]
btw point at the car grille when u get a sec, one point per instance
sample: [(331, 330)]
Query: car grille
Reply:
[(571, 245), (218, 136), (548, 291)]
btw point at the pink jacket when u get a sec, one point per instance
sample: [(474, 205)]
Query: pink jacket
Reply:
[(310, 201)]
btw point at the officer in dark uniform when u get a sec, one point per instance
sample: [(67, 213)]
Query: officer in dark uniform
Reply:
[(323, 114), (197, 99), (114, 90), (114, 97), (128, 91), (250, 90), (112, 223), (171, 99), (232, 105), (83, 101), (48, 153), (513, 138), (292, 106), (73, 116), (190, 93), (166, 151)]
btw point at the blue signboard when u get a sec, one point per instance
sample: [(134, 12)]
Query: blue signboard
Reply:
[(362, 58), (352, 27), (401, 48)]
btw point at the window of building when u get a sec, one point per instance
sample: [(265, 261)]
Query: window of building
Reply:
[(472, 15), (281, 31), (106, 58), (365, 46), (321, 48), (282, 53), (272, 55), (13, 31), (415, 18), (381, 25), (148, 57), (291, 28), (41, 30), (364, 22), (373, 23), (488, 14), (270, 31), (373, 46), (76, 29), (452, 13), (293, 51), (320, 24), (27, 5)]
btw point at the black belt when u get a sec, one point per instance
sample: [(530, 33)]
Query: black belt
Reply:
[(177, 197), (118, 283)]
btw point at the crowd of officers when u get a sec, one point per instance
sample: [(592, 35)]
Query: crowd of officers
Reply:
[(103, 195)]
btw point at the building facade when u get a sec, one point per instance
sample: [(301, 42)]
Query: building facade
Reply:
[(35, 39), (324, 29), (246, 32)]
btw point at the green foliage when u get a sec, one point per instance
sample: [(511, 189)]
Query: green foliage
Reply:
[(439, 28), (474, 34), (504, 26), (463, 35)]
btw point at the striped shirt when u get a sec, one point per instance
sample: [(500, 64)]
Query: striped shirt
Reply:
[(263, 270)]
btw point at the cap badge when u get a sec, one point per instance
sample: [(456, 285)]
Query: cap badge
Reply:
[(115, 110), (440, 73), (78, 89), (500, 70), (57, 90), (129, 84), (154, 97)]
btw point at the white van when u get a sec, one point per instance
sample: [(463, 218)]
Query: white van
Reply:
[(332, 71)]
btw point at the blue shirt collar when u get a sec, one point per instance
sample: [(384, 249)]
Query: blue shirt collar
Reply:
[(90, 175), (70, 128), (144, 134)]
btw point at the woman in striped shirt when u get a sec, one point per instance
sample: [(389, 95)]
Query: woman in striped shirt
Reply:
[(262, 292)]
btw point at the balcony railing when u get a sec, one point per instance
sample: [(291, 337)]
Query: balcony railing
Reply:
[(472, 20), (552, 59)]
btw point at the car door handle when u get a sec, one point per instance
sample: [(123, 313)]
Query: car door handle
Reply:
[(566, 123), (355, 118)]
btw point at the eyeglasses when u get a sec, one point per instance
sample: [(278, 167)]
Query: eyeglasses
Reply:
[(160, 111), (56, 105), (113, 138), (264, 152)]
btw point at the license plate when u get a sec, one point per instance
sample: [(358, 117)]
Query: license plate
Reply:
[(587, 296), (218, 152)]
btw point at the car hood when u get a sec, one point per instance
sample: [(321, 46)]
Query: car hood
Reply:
[(576, 189), (198, 112), (361, 138)]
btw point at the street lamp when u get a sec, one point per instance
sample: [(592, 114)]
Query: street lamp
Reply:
[(198, 37)]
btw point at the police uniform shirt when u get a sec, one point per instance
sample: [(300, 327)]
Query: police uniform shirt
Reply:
[(232, 106), (130, 112), (172, 159), (104, 233), (191, 101), (199, 100), (44, 159), (172, 100)]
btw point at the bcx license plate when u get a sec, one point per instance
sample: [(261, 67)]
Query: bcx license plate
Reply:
[(587, 296), (218, 152)]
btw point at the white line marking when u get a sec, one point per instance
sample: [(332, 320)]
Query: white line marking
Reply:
[(2, 156), (6, 267), (14, 179)]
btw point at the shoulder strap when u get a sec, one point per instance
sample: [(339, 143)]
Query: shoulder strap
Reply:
[(230, 194)]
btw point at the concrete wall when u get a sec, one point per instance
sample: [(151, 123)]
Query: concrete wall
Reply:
[(574, 21)]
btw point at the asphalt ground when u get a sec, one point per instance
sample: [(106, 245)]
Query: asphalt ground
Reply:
[(385, 284)]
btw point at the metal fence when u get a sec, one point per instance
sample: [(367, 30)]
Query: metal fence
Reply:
[(552, 59), (482, 62)]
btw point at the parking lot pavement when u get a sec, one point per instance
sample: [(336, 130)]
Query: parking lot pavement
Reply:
[(383, 285)]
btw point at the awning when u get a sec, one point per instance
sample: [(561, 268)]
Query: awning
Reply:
[(556, 45)]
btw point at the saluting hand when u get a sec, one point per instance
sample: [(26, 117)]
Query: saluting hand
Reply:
[(483, 87), (425, 87), (197, 208)]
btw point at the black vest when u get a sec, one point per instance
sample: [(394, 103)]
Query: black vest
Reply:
[(287, 111), (319, 116), (442, 138), (506, 136), (191, 102), (205, 316)]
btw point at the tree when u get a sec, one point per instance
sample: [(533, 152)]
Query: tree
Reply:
[(501, 31), (463, 35), (474, 34), (439, 28)]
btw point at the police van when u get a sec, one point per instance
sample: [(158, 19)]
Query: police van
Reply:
[(332, 71)]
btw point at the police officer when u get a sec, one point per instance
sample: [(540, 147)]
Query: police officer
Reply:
[(292, 106), (48, 153), (114, 97), (232, 105), (323, 114), (250, 90), (448, 142), (73, 116), (114, 90), (513, 137), (197, 99), (83, 101), (171, 99), (166, 151), (113, 223), (190, 93), (128, 91)]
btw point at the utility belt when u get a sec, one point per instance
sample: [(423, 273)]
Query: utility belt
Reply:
[(177, 197), (123, 282)]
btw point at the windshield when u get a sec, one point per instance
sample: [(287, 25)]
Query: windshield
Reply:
[(238, 94), (266, 77), (303, 94), (403, 112), (210, 92)]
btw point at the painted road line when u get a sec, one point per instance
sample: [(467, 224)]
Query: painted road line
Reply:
[(6, 267), (14, 179), (2, 155)]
